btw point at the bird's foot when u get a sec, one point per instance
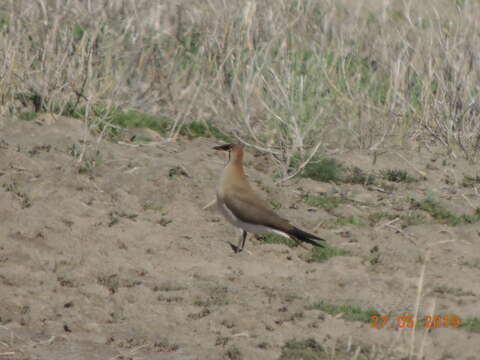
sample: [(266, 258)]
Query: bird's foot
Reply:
[(236, 249)]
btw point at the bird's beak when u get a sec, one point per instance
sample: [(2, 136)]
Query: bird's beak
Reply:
[(226, 147)]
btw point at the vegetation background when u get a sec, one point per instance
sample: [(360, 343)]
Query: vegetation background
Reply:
[(288, 77), (106, 107)]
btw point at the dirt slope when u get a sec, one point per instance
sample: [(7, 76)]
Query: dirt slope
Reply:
[(120, 261)]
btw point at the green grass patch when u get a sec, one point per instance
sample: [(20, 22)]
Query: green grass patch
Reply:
[(471, 324), (364, 75), (4, 24), (349, 220), (397, 175), (13, 188), (438, 212), (163, 125), (77, 111), (474, 263), (355, 175), (470, 181), (136, 119), (316, 254), (234, 353), (151, 205), (375, 258), (349, 312), (275, 204), (28, 116), (308, 349), (449, 290), (331, 170), (206, 129), (177, 171), (89, 161), (321, 254), (470, 219), (142, 139), (324, 202), (325, 169), (277, 239), (443, 215), (217, 296)]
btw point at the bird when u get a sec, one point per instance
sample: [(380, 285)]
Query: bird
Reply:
[(245, 209)]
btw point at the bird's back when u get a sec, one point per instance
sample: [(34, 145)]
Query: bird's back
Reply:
[(238, 195)]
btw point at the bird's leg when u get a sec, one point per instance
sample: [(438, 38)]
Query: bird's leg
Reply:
[(241, 243)]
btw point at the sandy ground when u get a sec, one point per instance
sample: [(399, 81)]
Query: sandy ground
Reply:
[(121, 262)]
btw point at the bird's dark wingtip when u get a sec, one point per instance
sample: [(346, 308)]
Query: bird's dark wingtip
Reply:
[(315, 242), (307, 237)]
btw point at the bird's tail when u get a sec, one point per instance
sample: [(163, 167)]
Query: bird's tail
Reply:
[(306, 237)]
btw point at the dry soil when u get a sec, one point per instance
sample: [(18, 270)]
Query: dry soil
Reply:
[(108, 254)]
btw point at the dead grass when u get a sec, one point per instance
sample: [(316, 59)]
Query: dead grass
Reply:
[(311, 76)]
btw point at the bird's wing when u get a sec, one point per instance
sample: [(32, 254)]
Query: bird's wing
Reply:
[(248, 207)]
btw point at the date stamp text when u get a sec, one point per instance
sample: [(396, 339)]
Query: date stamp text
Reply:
[(409, 321)]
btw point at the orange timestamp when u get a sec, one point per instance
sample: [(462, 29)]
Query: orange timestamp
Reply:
[(409, 321)]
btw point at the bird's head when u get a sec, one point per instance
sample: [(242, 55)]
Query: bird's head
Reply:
[(235, 151)]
